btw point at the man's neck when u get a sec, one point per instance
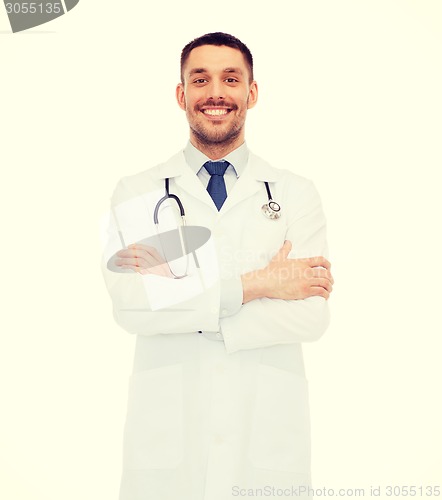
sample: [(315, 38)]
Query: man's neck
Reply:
[(216, 151)]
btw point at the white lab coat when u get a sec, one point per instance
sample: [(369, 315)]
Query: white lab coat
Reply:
[(210, 419)]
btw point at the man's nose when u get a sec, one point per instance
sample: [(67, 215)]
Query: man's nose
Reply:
[(216, 90)]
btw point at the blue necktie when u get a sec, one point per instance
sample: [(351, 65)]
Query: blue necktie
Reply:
[(217, 187)]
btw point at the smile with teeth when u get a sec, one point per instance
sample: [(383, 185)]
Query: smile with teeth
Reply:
[(216, 111)]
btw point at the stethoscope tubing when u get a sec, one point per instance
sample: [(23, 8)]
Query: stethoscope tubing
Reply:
[(164, 198)]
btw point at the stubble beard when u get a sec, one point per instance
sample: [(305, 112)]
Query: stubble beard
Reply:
[(216, 137), (211, 135)]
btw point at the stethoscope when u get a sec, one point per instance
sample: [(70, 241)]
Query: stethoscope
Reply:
[(271, 210)]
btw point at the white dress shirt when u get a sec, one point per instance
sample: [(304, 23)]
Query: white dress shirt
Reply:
[(238, 161), (231, 289)]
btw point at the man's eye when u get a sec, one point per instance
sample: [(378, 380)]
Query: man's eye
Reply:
[(231, 80), (200, 80)]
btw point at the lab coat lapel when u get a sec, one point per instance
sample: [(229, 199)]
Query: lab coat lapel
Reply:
[(244, 187), (190, 183), (250, 182), (178, 169)]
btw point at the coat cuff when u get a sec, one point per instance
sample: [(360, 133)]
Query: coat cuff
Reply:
[(231, 296)]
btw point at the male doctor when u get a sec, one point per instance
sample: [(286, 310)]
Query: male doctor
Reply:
[(218, 402)]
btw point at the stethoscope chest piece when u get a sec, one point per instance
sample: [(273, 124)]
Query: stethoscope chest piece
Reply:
[(271, 210)]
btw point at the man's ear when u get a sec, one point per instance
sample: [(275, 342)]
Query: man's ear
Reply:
[(180, 96), (253, 95)]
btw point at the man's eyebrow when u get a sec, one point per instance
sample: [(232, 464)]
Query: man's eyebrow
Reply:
[(195, 71), (233, 70)]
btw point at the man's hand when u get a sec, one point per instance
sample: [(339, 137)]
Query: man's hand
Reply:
[(144, 260), (289, 279)]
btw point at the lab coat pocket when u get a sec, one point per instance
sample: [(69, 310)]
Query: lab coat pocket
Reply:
[(280, 433), (153, 437)]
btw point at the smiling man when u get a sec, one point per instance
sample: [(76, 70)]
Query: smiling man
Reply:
[(218, 402), (216, 96)]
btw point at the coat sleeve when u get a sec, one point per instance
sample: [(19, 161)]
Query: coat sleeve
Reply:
[(266, 322), (149, 304)]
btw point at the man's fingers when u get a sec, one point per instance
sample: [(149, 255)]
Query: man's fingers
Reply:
[(135, 261), (138, 249), (319, 262), (318, 291), (139, 255), (283, 251), (322, 282), (150, 250), (319, 272), (139, 261)]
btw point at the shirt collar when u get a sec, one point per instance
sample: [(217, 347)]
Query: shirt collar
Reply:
[(238, 158)]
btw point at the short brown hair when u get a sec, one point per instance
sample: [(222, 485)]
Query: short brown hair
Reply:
[(217, 39)]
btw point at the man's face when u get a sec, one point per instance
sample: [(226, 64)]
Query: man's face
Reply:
[(216, 94)]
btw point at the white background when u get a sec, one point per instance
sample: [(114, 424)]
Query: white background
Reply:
[(350, 96)]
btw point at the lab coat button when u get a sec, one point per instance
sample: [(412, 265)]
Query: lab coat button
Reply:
[(224, 312)]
